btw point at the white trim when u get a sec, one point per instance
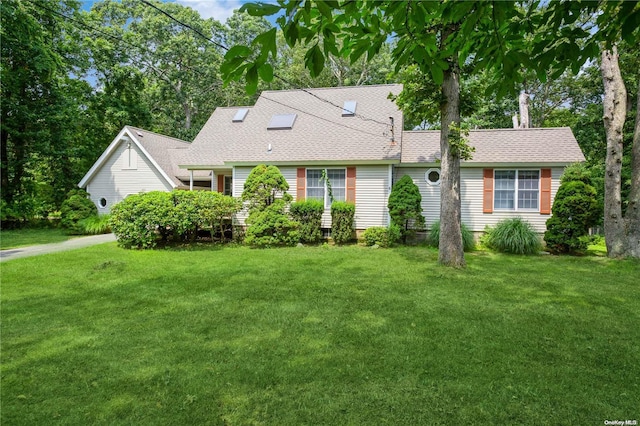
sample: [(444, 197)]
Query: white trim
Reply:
[(327, 200), (426, 176), (389, 189), (122, 137), (190, 180), (515, 190), (233, 179)]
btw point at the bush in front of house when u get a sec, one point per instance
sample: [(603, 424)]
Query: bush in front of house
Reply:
[(308, 214), (575, 209), (468, 242), (139, 219), (76, 208), (342, 215), (271, 227), (263, 186), (513, 235), (405, 207), (381, 236)]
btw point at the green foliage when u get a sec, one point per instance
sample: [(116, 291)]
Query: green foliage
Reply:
[(74, 209), (342, 215), (405, 206), (271, 227), (139, 220), (263, 185), (381, 236), (95, 225), (576, 172), (308, 214), (513, 235), (575, 210), (468, 241)]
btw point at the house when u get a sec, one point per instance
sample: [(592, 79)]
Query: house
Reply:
[(354, 137)]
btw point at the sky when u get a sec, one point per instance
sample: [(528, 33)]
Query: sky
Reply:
[(220, 10)]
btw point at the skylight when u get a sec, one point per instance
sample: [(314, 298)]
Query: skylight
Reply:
[(349, 108), (282, 121), (240, 115)]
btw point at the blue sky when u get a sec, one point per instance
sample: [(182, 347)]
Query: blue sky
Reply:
[(220, 10)]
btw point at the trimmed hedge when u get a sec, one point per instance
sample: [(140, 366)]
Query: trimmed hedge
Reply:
[(342, 215), (308, 214), (271, 227), (140, 220)]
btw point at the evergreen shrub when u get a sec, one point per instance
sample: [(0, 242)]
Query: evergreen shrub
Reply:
[(381, 236), (76, 208), (405, 207), (271, 227), (342, 215), (308, 214)]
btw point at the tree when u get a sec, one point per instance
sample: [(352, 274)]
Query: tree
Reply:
[(263, 185), (436, 37), (405, 206)]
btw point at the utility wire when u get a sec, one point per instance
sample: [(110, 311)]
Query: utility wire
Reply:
[(322, 118), (225, 48)]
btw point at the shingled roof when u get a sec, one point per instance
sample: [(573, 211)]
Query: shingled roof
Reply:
[(539, 145), (319, 133)]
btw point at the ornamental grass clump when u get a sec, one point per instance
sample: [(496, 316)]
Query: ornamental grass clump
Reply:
[(468, 242), (513, 235)]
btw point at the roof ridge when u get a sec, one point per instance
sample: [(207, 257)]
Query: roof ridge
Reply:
[(331, 88), (157, 134)]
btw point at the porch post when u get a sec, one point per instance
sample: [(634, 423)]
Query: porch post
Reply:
[(213, 178), (190, 179)]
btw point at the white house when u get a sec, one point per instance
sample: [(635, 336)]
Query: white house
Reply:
[(354, 136)]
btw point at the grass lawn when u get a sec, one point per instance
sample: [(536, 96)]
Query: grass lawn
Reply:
[(14, 238), (322, 335)]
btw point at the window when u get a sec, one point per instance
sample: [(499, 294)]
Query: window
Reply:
[(103, 202), (282, 121), (240, 115), (317, 188), (349, 109), (516, 189), (228, 187), (432, 176)]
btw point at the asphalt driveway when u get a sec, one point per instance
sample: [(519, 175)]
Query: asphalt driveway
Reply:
[(73, 244)]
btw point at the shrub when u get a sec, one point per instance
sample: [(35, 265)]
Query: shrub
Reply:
[(513, 235), (139, 219), (263, 185), (342, 214), (575, 210), (308, 214), (383, 237), (74, 209), (468, 242), (96, 224), (405, 207), (271, 227)]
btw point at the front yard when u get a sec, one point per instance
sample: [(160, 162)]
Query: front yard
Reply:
[(319, 335)]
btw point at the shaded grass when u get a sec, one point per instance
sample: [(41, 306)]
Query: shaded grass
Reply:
[(14, 238), (322, 335)]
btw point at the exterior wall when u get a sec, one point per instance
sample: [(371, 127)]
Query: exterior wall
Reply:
[(471, 194), (114, 182), (372, 192)]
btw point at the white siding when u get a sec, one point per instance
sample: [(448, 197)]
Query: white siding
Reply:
[(471, 192), (372, 192), (114, 183)]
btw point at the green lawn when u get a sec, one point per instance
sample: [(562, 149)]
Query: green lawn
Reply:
[(322, 335), (30, 236)]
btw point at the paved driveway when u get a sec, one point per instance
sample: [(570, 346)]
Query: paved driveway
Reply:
[(73, 244)]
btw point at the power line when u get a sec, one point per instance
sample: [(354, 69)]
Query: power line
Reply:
[(322, 118), (360, 116)]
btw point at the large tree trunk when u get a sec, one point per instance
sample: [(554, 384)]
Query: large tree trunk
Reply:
[(523, 102), (450, 245), (632, 216), (615, 108)]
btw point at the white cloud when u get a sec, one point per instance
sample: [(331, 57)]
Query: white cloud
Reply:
[(219, 10)]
